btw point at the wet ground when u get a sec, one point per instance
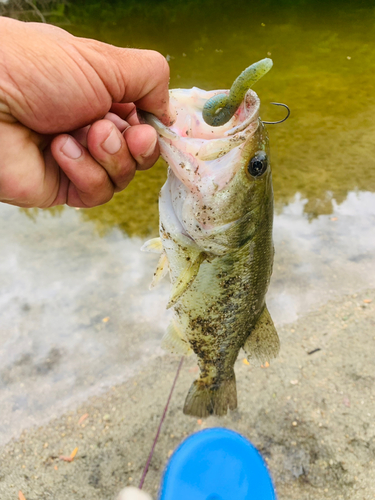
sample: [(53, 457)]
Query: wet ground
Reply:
[(80, 331), (77, 315), (311, 416), (78, 321)]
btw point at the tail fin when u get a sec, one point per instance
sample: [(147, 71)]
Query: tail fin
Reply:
[(204, 400)]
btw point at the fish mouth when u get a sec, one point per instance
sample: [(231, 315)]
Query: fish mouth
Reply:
[(203, 161), (194, 136), (205, 158), (188, 109)]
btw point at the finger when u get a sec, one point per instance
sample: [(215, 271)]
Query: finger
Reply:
[(108, 146), (81, 134), (143, 145), (61, 196), (127, 112), (116, 120), (89, 184), (23, 179), (148, 87), (95, 75), (131, 75)]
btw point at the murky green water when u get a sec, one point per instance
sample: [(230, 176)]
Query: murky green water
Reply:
[(324, 66)]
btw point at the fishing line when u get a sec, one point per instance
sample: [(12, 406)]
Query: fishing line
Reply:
[(145, 470)]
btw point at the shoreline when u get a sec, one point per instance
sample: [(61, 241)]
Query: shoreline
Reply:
[(310, 415)]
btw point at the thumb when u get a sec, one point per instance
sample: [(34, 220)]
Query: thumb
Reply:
[(130, 75), (54, 82)]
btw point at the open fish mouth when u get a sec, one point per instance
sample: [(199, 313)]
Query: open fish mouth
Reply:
[(204, 161), (202, 140), (188, 107)]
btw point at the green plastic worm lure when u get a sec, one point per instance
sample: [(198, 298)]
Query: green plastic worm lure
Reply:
[(220, 108)]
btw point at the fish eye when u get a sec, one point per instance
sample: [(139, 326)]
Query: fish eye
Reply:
[(258, 164)]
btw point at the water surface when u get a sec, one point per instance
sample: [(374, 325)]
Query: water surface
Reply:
[(324, 62)]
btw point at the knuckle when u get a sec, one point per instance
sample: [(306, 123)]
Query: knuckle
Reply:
[(14, 190), (99, 182), (161, 63), (164, 67), (95, 202), (121, 171), (105, 197), (126, 178), (94, 199)]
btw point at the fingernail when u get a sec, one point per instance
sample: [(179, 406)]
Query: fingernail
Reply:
[(71, 149), (112, 144), (150, 149)]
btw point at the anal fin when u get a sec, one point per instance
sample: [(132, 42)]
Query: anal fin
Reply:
[(174, 342), (263, 342)]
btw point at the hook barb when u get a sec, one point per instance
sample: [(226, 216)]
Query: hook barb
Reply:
[(283, 120)]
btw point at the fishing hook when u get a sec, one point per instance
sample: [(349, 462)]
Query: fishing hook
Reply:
[(283, 120)]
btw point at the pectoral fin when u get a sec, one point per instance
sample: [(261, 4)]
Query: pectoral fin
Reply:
[(154, 246), (161, 270), (185, 279), (263, 342), (174, 341)]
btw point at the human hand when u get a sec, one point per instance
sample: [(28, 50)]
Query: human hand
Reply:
[(69, 131)]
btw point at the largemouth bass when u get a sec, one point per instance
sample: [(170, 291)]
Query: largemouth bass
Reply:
[(216, 213)]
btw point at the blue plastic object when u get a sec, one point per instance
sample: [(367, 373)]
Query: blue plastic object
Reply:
[(216, 464)]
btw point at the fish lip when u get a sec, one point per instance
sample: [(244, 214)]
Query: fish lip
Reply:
[(250, 106)]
